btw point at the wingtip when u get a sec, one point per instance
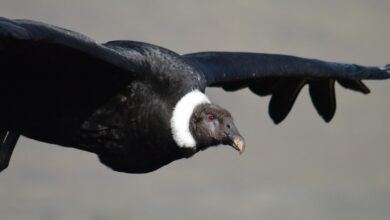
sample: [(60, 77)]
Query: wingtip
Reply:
[(355, 85), (277, 113), (385, 68), (327, 118), (277, 118)]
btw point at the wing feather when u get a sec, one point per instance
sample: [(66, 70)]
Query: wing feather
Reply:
[(323, 96), (282, 77), (266, 86), (284, 97), (52, 76), (355, 85)]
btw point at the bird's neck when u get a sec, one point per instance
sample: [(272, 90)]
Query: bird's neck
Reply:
[(180, 121)]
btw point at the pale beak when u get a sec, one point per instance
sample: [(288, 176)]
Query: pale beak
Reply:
[(238, 143), (233, 137)]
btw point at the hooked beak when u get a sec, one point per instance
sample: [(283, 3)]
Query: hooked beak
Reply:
[(233, 138), (238, 143)]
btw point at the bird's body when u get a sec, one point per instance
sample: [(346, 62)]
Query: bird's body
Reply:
[(137, 118), (139, 106), (105, 111)]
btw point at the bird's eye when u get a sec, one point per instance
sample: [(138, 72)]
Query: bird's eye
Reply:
[(210, 117)]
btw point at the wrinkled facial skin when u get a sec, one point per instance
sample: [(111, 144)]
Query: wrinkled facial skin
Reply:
[(212, 125)]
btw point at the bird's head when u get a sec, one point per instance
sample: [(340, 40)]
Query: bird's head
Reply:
[(212, 125), (197, 124)]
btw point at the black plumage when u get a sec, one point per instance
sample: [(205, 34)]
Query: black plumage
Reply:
[(117, 99)]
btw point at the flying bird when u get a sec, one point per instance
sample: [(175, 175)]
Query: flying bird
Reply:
[(139, 106)]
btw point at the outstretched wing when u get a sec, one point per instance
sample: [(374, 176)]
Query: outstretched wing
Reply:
[(283, 77), (51, 76)]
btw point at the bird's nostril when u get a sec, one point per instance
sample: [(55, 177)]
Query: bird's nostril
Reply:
[(228, 126)]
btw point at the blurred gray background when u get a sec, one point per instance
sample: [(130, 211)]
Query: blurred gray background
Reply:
[(301, 169)]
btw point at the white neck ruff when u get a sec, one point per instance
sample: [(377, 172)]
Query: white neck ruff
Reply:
[(180, 121)]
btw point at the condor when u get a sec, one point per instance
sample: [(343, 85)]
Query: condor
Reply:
[(139, 106)]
